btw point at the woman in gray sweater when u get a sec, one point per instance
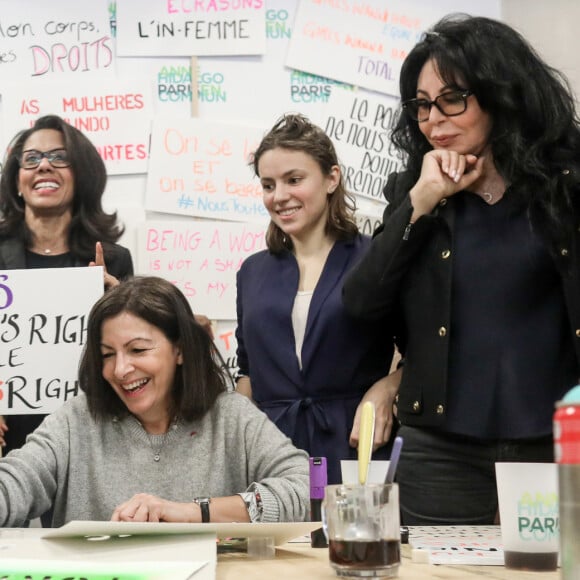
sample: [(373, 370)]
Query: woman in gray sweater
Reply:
[(154, 436)]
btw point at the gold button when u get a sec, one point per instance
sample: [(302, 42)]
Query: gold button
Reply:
[(442, 331), (578, 332), (564, 251), (445, 254), (416, 406), (440, 409), (443, 201)]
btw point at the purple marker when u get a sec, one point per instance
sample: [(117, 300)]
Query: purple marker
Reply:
[(318, 481), (395, 454)]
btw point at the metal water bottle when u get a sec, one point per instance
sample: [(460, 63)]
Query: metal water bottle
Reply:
[(567, 455)]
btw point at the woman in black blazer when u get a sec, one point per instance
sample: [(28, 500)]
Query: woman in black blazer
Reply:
[(51, 189), (478, 259)]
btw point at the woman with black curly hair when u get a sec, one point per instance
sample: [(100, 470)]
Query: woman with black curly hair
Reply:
[(478, 261)]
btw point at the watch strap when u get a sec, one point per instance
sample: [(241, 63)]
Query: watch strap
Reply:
[(203, 503)]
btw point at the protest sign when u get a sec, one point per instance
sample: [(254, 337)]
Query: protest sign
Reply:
[(43, 328), (201, 258)]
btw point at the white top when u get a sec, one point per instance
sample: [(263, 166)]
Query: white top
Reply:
[(299, 318)]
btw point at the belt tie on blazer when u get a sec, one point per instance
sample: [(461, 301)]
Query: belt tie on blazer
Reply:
[(312, 410)]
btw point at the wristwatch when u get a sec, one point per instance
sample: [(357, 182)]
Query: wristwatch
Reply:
[(203, 503)]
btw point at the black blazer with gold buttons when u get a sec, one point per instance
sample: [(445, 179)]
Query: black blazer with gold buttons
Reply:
[(406, 277)]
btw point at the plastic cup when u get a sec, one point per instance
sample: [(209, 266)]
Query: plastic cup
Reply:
[(528, 509), (363, 528)]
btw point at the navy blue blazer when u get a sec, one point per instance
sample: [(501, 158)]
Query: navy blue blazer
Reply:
[(341, 357)]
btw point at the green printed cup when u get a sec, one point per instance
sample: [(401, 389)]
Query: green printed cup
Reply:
[(529, 517)]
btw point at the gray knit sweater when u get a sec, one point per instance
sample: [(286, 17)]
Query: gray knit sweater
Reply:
[(84, 469)]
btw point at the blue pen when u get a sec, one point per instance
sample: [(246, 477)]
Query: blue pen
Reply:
[(390, 477), (395, 454)]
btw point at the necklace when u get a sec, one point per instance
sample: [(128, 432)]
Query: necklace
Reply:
[(48, 251), (490, 198), (493, 189), (164, 438), (158, 442), (157, 451)]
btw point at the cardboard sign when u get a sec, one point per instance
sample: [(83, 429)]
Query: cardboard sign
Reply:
[(227, 88), (226, 343), (190, 27), (360, 126), (43, 328), (201, 258), (55, 40), (115, 116), (365, 43), (201, 168)]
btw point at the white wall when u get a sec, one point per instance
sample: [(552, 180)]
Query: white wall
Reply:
[(552, 28)]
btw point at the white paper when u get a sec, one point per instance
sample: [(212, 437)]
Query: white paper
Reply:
[(281, 532), (465, 545), (146, 557), (377, 471)]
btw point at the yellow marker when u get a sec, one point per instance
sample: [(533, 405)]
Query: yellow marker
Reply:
[(365, 441)]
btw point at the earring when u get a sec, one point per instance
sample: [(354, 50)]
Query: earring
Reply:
[(19, 194)]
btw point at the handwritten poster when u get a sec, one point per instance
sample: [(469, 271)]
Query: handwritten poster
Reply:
[(364, 42), (200, 168), (230, 87), (360, 126), (368, 222), (190, 27), (59, 39), (42, 333), (115, 116), (226, 343), (201, 258)]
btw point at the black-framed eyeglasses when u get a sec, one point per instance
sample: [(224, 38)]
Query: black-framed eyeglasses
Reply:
[(31, 158), (449, 104)]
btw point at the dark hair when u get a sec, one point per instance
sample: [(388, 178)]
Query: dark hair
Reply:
[(198, 381), (535, 136), (297, 133), (90, 223)]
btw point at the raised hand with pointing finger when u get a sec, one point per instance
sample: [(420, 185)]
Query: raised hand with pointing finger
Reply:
[(51, 190)]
